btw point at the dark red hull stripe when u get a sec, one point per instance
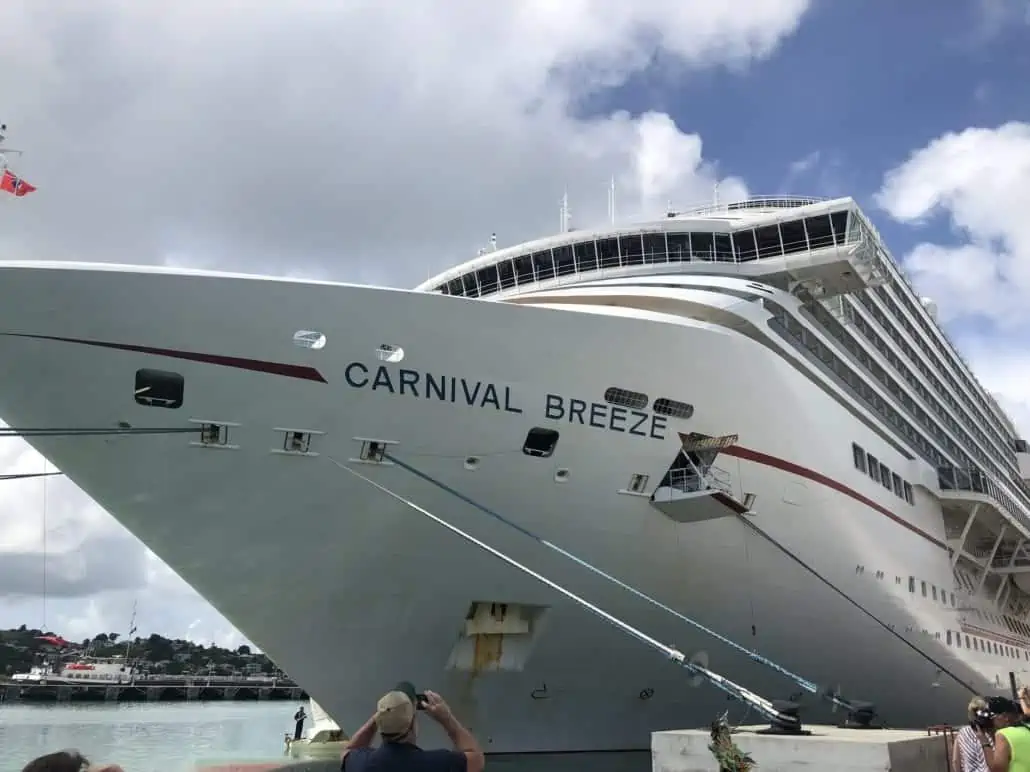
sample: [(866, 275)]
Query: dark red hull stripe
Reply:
[(810, 474), (302, 372)]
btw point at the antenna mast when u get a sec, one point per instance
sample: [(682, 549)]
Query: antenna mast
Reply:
[(611, 201), (715, 193), (564, 225)]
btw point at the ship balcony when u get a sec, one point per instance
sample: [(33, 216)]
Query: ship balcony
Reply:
[(984, 527), (833, 271)]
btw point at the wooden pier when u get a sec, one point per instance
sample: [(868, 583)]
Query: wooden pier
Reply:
[(184, 691)]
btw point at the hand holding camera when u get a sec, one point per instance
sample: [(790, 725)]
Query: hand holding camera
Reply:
[(433, 704)]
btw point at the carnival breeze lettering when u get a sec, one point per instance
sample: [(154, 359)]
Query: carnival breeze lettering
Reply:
[(450, 388), (601, 415), (446, 388)]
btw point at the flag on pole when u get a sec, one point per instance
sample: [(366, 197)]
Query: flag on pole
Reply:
[(15, 185)]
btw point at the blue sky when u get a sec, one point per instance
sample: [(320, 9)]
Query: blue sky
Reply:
[(862, 83)]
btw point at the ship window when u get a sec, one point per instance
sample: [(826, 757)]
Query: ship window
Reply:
[(524, 269), (923, 588), (967, 642), (543, 266), (159, 388), (839, 221), (908, 493), (744, 244), (654, 248), (471, 288), (701, 246), (487, 278), (564, 260), (455, 287), (885, 477), (631, 399), (768, 240), (672, 407), (608, 253), (820, 233), (678, 245), (874, 466), (859, 456), (793, 235), (506, 271), (949, 638), (586, 256), (722, 246), (540, 442), (933, 591), (632, 249), (896, 483)]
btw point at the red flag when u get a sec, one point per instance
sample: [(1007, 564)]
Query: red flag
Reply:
[(15, 185)]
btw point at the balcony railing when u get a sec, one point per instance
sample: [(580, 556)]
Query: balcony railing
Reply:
[(953, 478)]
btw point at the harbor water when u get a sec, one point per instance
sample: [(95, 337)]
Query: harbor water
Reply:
[(177, 737)]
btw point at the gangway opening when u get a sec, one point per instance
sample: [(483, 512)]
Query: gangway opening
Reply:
[(693, 488)]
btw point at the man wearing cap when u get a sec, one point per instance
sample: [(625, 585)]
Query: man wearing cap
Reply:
[(1010, 750), (396, 722)]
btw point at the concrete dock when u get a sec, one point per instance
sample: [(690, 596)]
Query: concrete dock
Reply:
[(827, 747)]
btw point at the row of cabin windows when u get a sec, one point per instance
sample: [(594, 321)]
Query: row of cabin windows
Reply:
[(928, 373), (988, 647), (653, 248), (931, 590), (791, 330), (1015, 626), (939, 355), (906, 429), (868, 464), (913, 408), (949, 476)]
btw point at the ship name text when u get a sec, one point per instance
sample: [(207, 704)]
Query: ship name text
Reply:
[(445, 388), (601, 415)]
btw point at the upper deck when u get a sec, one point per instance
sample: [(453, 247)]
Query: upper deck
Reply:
[(754, 229)]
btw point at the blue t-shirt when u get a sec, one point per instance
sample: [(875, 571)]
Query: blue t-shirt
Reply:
[(403, 757)]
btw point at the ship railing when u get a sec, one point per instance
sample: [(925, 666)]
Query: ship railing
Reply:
[(689, 481), (954, 478)]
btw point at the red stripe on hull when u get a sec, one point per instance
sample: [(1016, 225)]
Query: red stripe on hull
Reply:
[(302, 372), (810, 474)]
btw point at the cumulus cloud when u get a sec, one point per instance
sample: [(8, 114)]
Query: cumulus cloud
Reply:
[(361, 140), (979, 181)]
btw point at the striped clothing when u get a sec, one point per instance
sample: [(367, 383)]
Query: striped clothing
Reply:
[(969, 752)]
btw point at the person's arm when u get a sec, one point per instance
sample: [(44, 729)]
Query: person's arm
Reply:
[(461, 737), (363, 737), (955, 760), (998, 758)]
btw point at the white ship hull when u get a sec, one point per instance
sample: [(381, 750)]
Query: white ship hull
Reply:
[(350, 591)]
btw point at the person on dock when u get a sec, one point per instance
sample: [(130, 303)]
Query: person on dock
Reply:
[(1009, 749), (396, 721), (967, 750), (298, 726), (67, 761)]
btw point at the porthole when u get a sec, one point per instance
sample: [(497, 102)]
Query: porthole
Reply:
[(540, 442)]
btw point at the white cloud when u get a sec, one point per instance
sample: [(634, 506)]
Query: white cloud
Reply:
[(359, 140), (979, 179)]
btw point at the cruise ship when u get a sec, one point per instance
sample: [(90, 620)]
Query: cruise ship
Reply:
[(744, 412)]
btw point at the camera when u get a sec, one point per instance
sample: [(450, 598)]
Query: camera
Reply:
[(982, 719)]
